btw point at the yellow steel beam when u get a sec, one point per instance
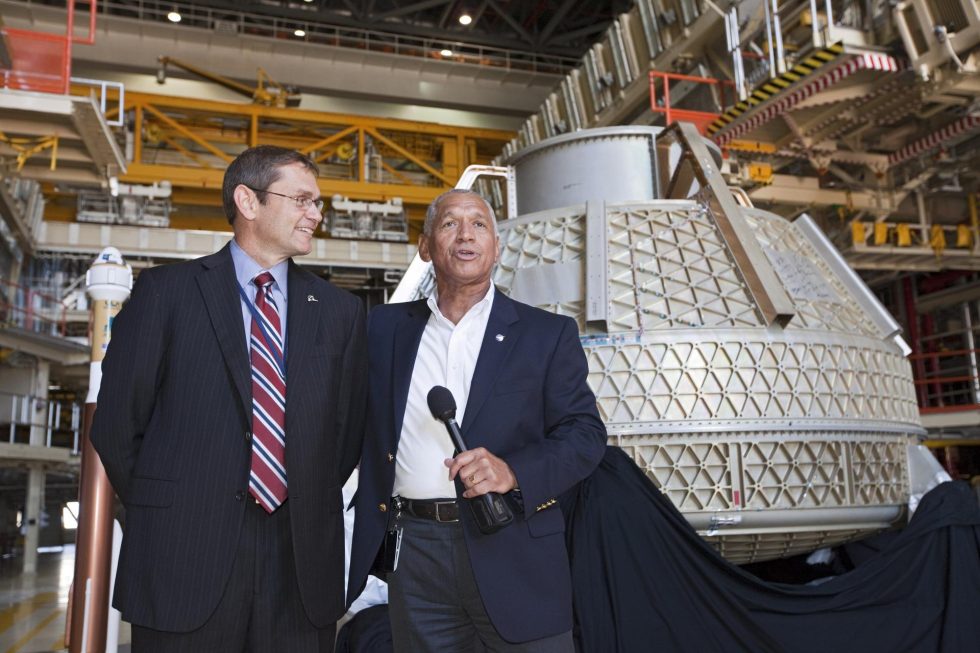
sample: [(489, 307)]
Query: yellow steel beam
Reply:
[(170, 122), (199, 130), (138, 132), (195, 197), (210, 179), (303, 116), (320, 144), (757, 147), (183, 150), (408, 155), (396, 174)]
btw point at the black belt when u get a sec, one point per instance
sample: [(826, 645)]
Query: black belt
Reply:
[(440, 510)]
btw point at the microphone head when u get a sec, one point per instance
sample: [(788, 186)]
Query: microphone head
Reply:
[(441, 403)]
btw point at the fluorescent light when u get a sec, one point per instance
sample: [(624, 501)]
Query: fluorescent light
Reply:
[(299, 32), (465, 19), (174, 16), (446, 52)]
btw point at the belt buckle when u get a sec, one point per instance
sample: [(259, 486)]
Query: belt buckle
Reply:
[(439, 505)]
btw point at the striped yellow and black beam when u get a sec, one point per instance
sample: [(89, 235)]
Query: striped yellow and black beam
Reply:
[(773, 87)]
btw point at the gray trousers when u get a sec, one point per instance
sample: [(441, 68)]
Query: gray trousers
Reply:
[(261, 609), (434, 602)]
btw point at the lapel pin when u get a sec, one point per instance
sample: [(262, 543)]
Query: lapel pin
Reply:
[(500, 337), (311, 298)]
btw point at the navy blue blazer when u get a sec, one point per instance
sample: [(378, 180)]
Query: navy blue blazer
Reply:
[(173, 424), (529, 404)]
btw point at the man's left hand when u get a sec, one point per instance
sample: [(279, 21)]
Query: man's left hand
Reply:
[(481, 472)]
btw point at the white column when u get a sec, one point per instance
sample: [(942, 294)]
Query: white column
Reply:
[(32, 517), (35, 475)]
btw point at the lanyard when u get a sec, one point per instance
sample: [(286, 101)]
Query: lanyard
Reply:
[(257, 319)]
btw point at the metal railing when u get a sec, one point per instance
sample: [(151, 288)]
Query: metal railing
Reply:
[(60, 420), (661, 84), (40, 61), (948, 380), (104, 96), (231, 21)]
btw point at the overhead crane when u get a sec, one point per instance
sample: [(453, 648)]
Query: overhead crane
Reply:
[(266, 91)]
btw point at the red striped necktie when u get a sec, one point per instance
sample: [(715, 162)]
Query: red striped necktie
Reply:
[(267, 481)]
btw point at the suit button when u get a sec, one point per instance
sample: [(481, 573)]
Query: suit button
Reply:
[(239, 495), (248, 436), (391, 457), (383, 507)]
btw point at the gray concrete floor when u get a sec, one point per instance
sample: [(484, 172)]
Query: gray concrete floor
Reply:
[(33, 607)]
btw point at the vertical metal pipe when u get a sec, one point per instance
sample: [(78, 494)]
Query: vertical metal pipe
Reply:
[(972, 353), (47, 425), (814, 28), (777, 31), (912, 323), (738, 65), (769, 40), (69, 37), (75, 427), (109, 282), (932, 362)]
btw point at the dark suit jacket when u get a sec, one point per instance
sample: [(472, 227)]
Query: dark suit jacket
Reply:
[(529, 404), (173, 426)]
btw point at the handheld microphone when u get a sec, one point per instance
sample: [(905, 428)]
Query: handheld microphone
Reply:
[(490, 510)]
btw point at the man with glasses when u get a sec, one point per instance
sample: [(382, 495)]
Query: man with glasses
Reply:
[(229, 417)]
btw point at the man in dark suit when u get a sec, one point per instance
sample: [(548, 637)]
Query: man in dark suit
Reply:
[(230, 415), (518, 375)]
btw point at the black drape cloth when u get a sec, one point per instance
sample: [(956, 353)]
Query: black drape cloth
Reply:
[(644, 581)]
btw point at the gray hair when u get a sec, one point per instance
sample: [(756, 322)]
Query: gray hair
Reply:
[(432, 212)]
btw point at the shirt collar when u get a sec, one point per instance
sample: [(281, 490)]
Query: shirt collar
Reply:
[(246, 269), (477, 309)]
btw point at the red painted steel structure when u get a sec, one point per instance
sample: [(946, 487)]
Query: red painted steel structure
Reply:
[(42, 61), (700, 119)]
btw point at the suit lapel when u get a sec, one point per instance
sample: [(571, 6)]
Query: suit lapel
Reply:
[(302, 322), (219, 287), (408, 334), (493, 352)]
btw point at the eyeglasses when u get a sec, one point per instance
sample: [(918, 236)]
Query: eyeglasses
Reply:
[(303, 203)]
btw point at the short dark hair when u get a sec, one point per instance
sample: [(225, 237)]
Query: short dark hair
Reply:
[(258, 167)]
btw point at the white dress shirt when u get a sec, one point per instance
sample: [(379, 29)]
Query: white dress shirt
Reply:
[(375, 591), (447, 356)]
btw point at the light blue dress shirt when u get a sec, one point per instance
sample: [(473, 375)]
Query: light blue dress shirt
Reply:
[(246, 270)]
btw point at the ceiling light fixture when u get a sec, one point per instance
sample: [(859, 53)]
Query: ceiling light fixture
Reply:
[(446, 52), (299, 33), (465, 19), (174, 16)]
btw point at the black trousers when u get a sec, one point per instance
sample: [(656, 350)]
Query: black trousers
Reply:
[(260, 610), (435, 604)]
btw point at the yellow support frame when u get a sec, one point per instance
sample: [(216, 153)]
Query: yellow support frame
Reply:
[(198, 138)]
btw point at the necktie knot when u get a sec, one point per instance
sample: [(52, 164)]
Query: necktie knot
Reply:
[(263, 280)]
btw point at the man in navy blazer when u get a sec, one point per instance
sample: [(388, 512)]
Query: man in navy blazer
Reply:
[(204, 566), (518, 375)]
